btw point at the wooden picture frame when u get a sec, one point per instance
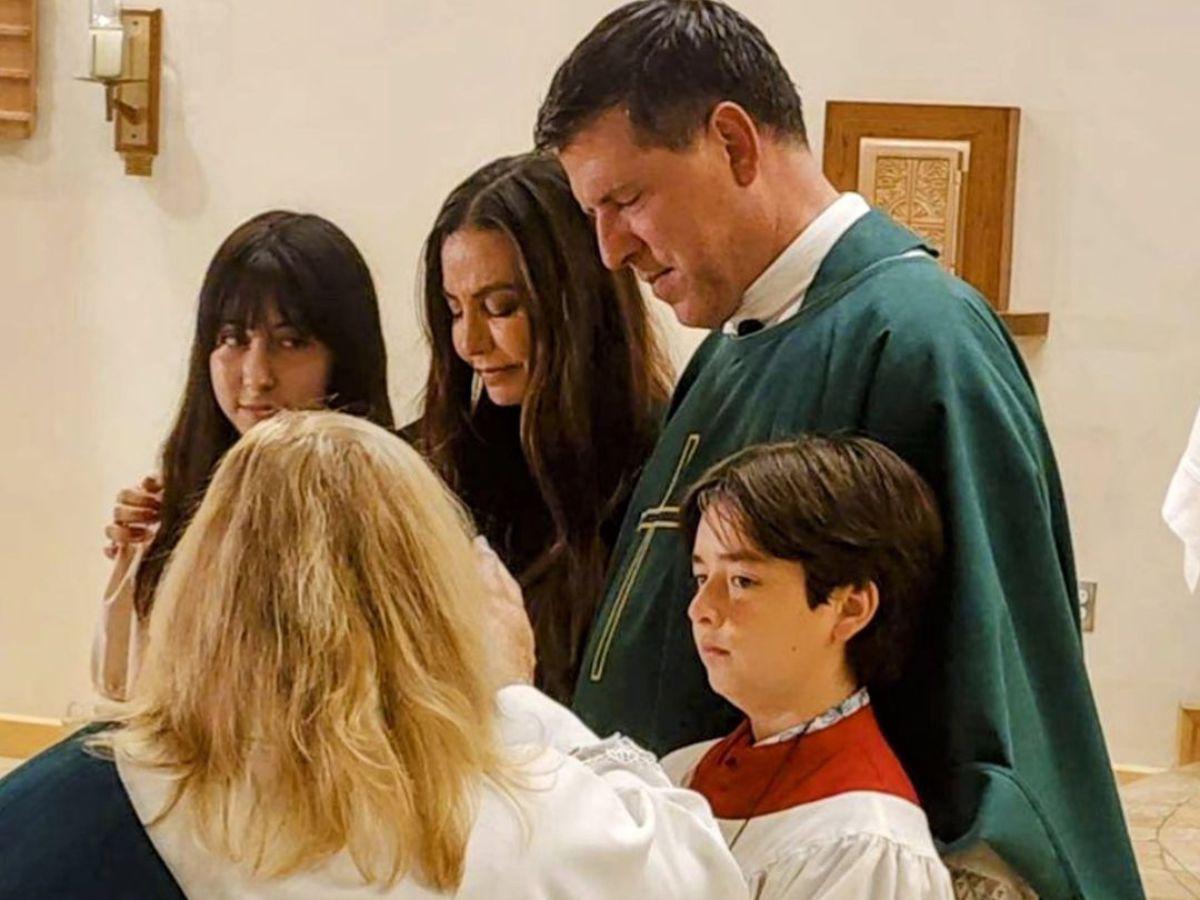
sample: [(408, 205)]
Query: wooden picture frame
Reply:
[(985, 141), (18, 68)]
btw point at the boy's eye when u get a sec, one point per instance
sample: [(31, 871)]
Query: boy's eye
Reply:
[(699, 578), (741, 582)]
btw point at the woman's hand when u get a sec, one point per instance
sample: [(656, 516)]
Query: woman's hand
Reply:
[(135, 517), (513, 646)]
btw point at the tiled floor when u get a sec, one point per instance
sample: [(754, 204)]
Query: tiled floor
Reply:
[(1164, 823)]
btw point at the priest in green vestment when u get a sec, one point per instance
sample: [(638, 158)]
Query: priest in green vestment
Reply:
[(683, 137)]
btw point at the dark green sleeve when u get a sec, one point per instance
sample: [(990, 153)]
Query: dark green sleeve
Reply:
[(996, 720)]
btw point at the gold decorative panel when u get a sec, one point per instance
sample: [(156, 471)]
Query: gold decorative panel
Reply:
[(922, 185)]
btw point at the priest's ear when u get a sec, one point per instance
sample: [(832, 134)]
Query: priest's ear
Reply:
[(854, 606), (736, 132)]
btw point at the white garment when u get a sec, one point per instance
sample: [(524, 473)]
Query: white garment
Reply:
[(848, 847), (1181, 510), (120, 636), (852, 846), (778, 293), (607, 825)]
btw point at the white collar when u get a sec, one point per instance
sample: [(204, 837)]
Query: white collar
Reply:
[(827, 719), (778, 292)]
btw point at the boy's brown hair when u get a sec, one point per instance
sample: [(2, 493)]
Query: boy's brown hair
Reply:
[(851, 512)]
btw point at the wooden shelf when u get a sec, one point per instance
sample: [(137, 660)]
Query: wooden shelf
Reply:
[(18, 68), (1027, 324)]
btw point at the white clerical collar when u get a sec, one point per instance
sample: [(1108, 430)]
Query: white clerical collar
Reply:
[(777, 294)]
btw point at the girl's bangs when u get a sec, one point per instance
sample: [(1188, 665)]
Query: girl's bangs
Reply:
[(262, 284)]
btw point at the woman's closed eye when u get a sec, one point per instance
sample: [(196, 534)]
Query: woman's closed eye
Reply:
[(501, 306)]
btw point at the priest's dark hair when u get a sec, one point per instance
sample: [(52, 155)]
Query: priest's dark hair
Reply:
[(668, 63), (851, 512), (308, 269), (598, 386)]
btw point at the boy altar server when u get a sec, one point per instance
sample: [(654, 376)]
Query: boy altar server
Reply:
[(813, 560)]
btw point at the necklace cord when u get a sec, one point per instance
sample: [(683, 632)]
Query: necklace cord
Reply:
[(774, 778)]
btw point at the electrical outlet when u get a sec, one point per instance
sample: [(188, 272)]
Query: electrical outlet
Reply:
[(1087, 605)]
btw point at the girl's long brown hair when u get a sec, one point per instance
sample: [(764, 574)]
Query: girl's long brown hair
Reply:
[(313, 273), (598, 385)]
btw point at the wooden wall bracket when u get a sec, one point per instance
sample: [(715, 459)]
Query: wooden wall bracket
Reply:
[(136, 95)]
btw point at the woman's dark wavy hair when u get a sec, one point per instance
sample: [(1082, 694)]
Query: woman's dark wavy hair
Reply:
[(313, 274), (598, 385)]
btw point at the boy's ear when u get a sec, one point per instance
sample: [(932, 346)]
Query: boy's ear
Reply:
[(855, 606)]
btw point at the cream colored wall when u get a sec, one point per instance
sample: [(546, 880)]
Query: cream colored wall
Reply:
[(369, 112)]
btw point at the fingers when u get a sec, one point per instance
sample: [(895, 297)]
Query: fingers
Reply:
[(140, 505), (139, 498), (127, 534), (135, 517)]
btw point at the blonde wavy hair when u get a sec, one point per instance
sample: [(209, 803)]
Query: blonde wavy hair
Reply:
[(315, 676)]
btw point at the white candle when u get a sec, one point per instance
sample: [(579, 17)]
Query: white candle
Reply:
[(108, 48)]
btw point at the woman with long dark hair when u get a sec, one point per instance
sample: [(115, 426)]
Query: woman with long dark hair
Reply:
[(546, 388), (287, 319)]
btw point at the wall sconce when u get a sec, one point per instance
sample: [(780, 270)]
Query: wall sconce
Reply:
[(126, 57)]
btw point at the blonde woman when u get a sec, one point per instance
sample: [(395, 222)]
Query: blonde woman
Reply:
[(317, 717)]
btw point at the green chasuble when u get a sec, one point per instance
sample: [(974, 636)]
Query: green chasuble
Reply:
[(994, 720)]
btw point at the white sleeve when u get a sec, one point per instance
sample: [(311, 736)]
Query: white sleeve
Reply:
[(527, 716), (639, 836), (1181, 509), (630, 833), (119, 635), (852, 868), (680, 764)]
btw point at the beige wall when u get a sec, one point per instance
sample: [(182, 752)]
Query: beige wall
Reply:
[(369, 112)]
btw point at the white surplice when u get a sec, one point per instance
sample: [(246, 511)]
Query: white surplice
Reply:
[(601, 821)]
